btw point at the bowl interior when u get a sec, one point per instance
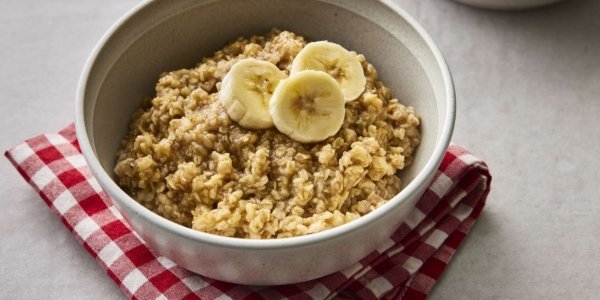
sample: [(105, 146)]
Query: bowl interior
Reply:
[(168, 35)]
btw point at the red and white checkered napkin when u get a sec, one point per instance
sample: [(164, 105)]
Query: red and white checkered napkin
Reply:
[(405, 267)]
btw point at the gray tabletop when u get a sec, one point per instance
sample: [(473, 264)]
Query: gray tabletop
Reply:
[(528, 88)]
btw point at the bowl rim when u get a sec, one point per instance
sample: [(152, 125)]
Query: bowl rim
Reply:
[(147, 215)]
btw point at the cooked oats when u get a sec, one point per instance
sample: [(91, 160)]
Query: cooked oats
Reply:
[(186, 160)]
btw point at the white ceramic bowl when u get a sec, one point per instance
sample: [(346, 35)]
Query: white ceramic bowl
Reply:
[(508, 4), (164, 35)]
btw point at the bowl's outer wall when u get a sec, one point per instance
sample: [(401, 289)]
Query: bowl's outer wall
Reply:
[(167, 35), (272, 266)]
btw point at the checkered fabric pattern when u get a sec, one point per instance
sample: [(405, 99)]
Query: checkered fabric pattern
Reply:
[(405, 267)]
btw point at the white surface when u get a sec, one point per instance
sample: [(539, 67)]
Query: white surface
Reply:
[(528, 86)]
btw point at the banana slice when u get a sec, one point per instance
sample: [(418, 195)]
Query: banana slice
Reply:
[(336, 61), (246, 91), (308, 106)]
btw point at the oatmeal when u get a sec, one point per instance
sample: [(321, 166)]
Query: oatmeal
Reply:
[(187, 160)]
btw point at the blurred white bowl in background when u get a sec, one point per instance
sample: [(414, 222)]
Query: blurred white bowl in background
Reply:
[(508, 4)]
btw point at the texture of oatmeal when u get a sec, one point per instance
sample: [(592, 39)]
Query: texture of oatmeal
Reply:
[(184, 159)]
